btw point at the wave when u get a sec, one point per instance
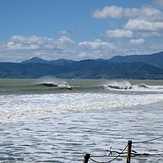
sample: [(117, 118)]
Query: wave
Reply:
[(51, 81), (119, 85), (40, 84), (53, 84), (127, 86)]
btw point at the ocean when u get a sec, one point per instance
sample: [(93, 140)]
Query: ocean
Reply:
[(56, 120)]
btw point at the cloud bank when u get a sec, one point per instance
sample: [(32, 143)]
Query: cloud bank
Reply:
[(140, 21), (19, 48), (119, 33), (135, 36), (140, 26), (119, 12)]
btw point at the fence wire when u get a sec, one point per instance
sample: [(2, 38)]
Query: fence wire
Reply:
[(133, 153)]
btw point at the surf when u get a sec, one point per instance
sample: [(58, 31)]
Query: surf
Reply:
[(51, 84), (51, 81), (118, 85), (131, 85)]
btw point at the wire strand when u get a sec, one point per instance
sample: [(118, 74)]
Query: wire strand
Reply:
[(133, 154), (149, 140), (112, 159)]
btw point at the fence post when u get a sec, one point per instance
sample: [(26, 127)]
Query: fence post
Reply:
[(86, 158), (129, 152)]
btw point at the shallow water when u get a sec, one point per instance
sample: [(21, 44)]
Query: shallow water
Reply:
[(45, 125), (67, 137)]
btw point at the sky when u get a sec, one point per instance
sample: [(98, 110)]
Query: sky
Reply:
[(79, 29)]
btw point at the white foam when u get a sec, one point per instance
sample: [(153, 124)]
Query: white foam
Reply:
[(118, 84), (126, 85), (14, 107)]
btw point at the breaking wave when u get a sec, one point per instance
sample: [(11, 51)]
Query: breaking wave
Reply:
[(52, 84), (51, 81), (126, 85), (119, 85), (49, 95)]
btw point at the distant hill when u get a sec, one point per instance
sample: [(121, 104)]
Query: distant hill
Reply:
[(85, 69), (39, 60), (35, 60), (61, 61), (154, 59), (119, 67)]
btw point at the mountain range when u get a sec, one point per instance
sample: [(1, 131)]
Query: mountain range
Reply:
[(153, 59), (119, 67)]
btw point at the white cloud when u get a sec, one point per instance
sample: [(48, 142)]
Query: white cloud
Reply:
[(36, 43), (116, 12), (108, 11), (66, 40), (146, 21), (119, 33), (137, 41), (19, 48), (150, 34), (97, 44), (64, 32), (146, 12), (151, 13), (158, 3), (24, 47), (24, 39), (144, 25), (78, 32), (96, 49)]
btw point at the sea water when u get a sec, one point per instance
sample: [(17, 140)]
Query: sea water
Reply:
[(54, 120)]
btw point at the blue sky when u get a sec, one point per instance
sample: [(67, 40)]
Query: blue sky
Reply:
[(79, 29)]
